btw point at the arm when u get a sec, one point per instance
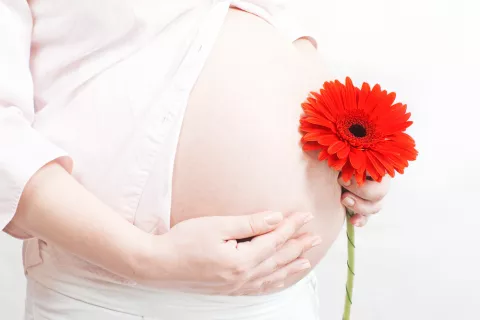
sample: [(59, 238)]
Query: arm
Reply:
[(54, 207), (39, 198), (35, 184)]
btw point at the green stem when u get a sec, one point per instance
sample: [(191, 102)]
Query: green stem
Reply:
[(351, 267)]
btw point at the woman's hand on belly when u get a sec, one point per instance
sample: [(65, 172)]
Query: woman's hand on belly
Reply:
[(203, 254)]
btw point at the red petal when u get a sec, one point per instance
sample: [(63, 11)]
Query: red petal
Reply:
[(314, 135), (323, 106), (311, 146), (347, 172), (344, 152), (372, 100), (310, 110), (391, 98), (337, 146), (311, 100), (336, 163), (318, 121), (357, 158), (363, 95), (349, 93), (384, 101), (308, 127), (398, 162), (323, 155), (314, 110), (327, 140), (384, 161), (378, 166), (333, 91), (371, 169), (360, 177), (406, 152)]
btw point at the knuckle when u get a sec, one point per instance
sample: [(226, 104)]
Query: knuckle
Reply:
[(281, 275), (304, 247), (298, 223), (227, 277), (234, 279), (273, 264), (280, 240), (378, 196), (288, 243), (296, 248), (270, 249), (259, 285), (377, 208), (240, 269), (280, 260), (292, 227), (368, 194), (363, 222), (241, 278), (234, 269), (266, 284), (376, 193), (293, 243), (252, 223)]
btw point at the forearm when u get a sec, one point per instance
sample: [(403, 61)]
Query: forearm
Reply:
[(54, 207)]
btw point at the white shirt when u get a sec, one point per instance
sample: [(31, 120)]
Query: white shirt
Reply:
[(102, 85)]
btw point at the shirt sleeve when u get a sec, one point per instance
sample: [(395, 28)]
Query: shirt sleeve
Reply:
[(279, 14), (23, 151)]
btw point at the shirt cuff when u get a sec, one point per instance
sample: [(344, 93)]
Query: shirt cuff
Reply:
[(23, 151)]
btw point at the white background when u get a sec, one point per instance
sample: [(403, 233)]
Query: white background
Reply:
[(419, 259)]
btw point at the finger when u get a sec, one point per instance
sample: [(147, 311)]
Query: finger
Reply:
[(359, 220), (370, 190), (247, 226), (292, 250), (272, 281), (359, 205), (265, 246)]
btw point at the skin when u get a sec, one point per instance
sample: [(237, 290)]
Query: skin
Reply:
[(54, 207), (57, 209), (239, 146), (366, 200)]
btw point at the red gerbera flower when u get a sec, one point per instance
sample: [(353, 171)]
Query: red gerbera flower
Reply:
[(358, 131)]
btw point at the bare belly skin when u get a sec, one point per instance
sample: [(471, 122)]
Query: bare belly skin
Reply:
[(239, 149)]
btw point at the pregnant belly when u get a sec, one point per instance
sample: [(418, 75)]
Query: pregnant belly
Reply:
[(239, 148)]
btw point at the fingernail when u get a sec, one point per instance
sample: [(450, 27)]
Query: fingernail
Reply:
[(274, 218), (349, 202), (316, 241), (308, 217), (361, 223), (358, 223), (280, 285), (304, 265), (347, 183)]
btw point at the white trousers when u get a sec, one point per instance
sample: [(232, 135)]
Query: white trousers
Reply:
[(299, 302)]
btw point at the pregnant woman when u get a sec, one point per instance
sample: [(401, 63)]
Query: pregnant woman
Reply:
[(151, 131)]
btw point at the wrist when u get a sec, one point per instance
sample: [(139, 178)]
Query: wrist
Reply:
[(154, 259)]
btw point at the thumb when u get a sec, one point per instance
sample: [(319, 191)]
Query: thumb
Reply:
[(247, 226)]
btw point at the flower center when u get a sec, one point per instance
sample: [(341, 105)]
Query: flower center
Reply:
[(358, 130)]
